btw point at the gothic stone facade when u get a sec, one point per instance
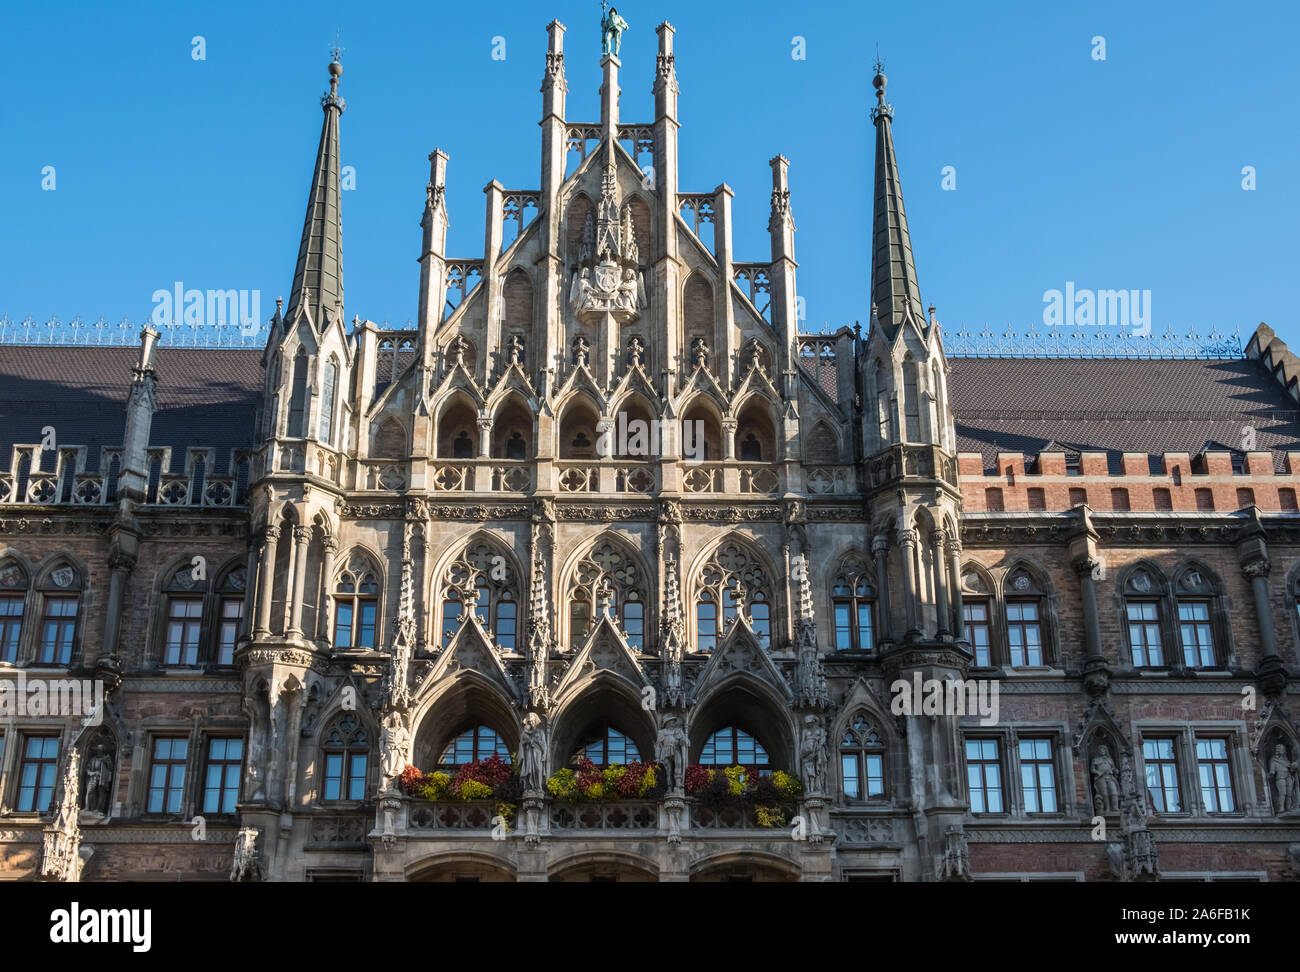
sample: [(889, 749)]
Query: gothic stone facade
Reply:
[(297, 572)]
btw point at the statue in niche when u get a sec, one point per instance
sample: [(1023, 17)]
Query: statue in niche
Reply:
[(532, 754), (1282, 776), (515, 349), (628, 290), (458, 349), (580, 287), (672, 750), (631, 253), (611, 31), (99, 781), (1105, 782), (700, 351), (812, 754)]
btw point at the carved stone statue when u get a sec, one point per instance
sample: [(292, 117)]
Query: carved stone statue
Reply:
[(515, 349), (631, 253), (1105, 782), (395, 747), (672, 750), (247, 865), (532, 754), (812, 754), (1282, 777), (580, 287), (458, 349), (580, 351), (611, 32), (627, 290), (635, 349), (700, 351), (99, 781)]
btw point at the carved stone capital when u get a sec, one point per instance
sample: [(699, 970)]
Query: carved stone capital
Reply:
[(879, 544), (302, 534), (330, 545), (907, 538)]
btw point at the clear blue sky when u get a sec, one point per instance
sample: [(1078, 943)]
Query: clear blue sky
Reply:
[(1123, 173)]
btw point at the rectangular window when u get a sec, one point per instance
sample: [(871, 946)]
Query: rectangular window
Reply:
[(343, 624), (167, 774), (1037, 775), (1194, 631), (36, 774), (1144, 633), (1215, 775), (11, 625), (450, 624), (366, 610), (849, 769), (984, 775), (633, 624), (1024, 635), (706, 626), (1161, 760), (232, 614), (345, 772), (843, 626), (184, 617), (975, 614), (58, 629), (221, 781)]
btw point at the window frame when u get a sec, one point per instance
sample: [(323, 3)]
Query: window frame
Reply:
[(349, 750), (171, 765), (982, 762), (41, 763), (225, 764)]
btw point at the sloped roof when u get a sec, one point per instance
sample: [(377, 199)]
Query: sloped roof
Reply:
[(1118, 405), (205, 397)]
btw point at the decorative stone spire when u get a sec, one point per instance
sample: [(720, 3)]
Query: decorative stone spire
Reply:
[(318, 276), (894, 290)]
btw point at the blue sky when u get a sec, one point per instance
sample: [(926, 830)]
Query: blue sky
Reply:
[(1122, 173)]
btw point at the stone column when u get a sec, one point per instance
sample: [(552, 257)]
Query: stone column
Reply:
[(331, 547), (729, 438), (885, 623), (266, 581), (907, 540), (302, 537), (250, 586), (1257, 571), (121, 566), (1087, 571), (954, 585), (943, 621), (484, 437)]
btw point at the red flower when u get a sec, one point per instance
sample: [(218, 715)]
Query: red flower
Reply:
[(411, 780), (697, 778)]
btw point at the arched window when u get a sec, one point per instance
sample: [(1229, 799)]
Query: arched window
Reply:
[(486, 573), (731, 746), (1195, 597), (345, 755), (607, 571), (230, 603), (298, 398), (606, 745), (862, 761), (473, 743), (911, 400), (853, 605), (706, 622), (329, 384), (1142, 614), (13, 599), (356, 606), (976, 617), (60, 603), (184, 598), (737, 582), (1024, 620)]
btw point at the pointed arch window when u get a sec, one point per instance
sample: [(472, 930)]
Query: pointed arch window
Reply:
[(298, 398), (356, 606), (329, 386), (733, 745), (60, 604), (13, 600), (1025, 643), (736, 582), (1195, 598), (605, 745), (976, 618), (484, 571), (1142, 613), (345, 758), (853, 608), (862, 760), (911, 399), (607, 571), (470, 744)]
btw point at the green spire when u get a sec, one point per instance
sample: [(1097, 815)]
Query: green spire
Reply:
[(318, 277), (894, 289)]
